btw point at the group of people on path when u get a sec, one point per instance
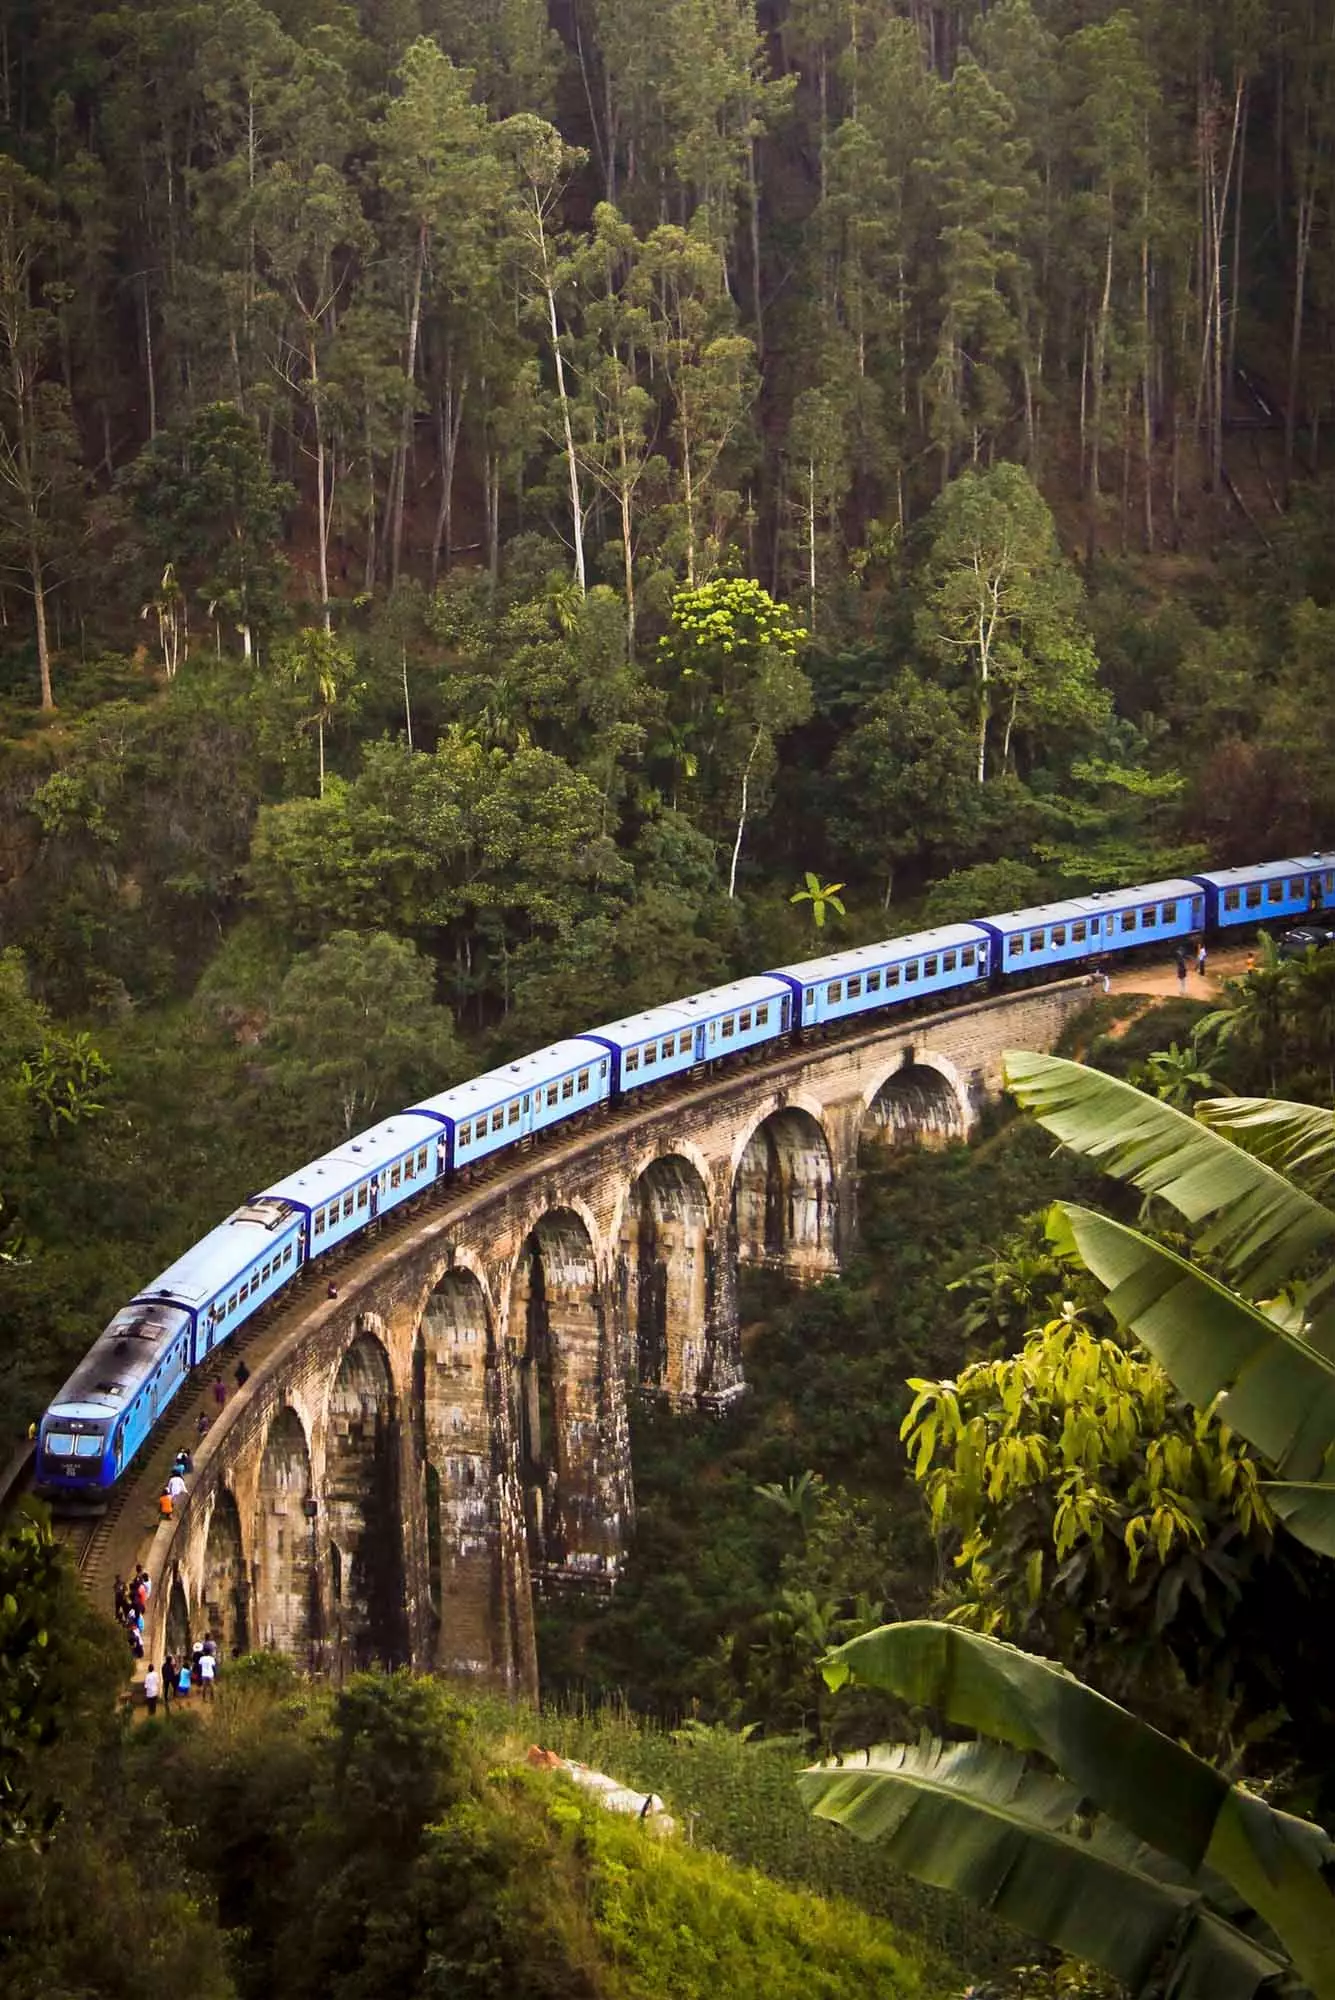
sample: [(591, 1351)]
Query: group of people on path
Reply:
[(131, 1601), (175, 1489), (177, 1678), (1201, 957)]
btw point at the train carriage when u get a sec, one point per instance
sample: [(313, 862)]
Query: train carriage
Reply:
[(340, 1192), (112, 1400), (234, 1270), (1267, 890), (492, 1111), (1085, 927), (891, 973)]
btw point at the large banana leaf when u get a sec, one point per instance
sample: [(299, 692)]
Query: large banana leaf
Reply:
[(974, 1818), (1265, 1231), (1294, 1138), (1164, 1796), (1307, 1511), (1275, 1389)]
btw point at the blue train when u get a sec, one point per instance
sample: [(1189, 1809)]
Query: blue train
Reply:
[(111, 1402)]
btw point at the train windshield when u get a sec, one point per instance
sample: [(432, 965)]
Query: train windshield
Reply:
[(63, 1444)]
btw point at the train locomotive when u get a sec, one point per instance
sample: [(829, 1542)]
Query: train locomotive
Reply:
[(98, 1422)]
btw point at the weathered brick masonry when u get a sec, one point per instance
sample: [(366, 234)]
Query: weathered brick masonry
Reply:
[(412, 1456)]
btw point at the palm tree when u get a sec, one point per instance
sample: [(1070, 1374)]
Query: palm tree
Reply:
[(1170, 1880), (822, 896)]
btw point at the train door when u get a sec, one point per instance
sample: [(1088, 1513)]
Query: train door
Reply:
[(785, 1012), (700, 1042)]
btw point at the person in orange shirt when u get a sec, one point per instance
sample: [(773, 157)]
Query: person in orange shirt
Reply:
[(165, 1504)]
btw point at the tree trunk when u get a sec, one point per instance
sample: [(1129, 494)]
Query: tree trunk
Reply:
[(741, 816), (449, 422), (39, 613), (406, 434), (321, 502)]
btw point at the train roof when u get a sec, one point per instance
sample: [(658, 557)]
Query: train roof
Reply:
[(210, 1265), (1265, 871), (498, 1086), (738, 993), (365, 1153), (888, 951), (1095, 905), (641, 1027), (118, 1361)]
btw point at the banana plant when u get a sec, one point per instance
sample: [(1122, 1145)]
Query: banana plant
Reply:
[(1136, 1856)]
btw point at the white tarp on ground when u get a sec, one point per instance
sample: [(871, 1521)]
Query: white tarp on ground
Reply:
[(647, 1807)]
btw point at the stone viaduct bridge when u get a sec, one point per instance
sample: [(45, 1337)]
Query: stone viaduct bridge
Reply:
[(412, 1457)]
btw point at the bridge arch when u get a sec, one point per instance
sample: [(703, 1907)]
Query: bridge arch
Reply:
[(363, 1508), (668, 1268), (565, 1394), (225, 1593), (176, 1628), (286, 1596), (921, 1101), (455, 1395), (784, 1202)]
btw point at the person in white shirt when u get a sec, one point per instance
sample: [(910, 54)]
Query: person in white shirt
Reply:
[(152, 1689), (208, 1667), (176, 1487)]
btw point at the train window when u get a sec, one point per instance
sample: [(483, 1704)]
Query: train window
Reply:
[(361, 1195), (465, 1134), (836, 990), (713, 1030), (347, 1208), (1014, 946), (264, 1274), (650, 1054), (911, 970), (1037, 940), (512, 1113), (854, 989), (497, 1118), (1274, 892), (873, 982), (1170, 913), (582, 1080), (319, 1227), (1254, 896), (892, 975), (602, 1067), (762, 1016), (551, 1093), (333, 1213), (1149, 918), (929, 967), (632, 1061), (811, 996), (1128, 920), (396, 1174), (948, 962), (1078, 932), (728, 1029), (744, 1019), (421, 1158), (966, 956), (87, 1446), (409, 1170), (1296, 888), (60, 1444), (287, 1254), (245, 1291), (1232, 898), (1328, 883), (526, 1099), (231, 1303), (1058, 934), (568, 1086)]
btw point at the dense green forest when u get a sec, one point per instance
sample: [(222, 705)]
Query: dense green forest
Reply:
[(494, 500)]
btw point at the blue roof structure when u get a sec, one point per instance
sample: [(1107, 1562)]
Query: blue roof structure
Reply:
[(632, 1028), (364, 1153), (119, 1359), (724, 999), (1266, 871)]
